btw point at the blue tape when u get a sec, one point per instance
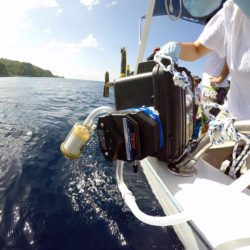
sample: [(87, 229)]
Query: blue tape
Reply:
[(154, 116)]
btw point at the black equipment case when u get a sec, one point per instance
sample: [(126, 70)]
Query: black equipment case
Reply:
[(153, 86)]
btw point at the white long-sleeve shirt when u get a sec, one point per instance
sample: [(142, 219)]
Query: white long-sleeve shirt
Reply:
[(228, 33)]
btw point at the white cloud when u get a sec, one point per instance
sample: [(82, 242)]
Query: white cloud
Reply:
[(90, 3), (112, 3), (62, 58), (89, 42), (67, 49), (24, 5), (13, 17), (59, 11), (48, 3), (48, 30), (68, 59), (72, 48)]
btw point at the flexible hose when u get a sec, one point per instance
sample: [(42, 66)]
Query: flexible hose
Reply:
[(148, 219), (95, 112)]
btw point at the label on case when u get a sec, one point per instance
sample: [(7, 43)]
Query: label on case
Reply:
[(127, 138)]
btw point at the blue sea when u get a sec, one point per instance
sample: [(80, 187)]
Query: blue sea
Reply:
[(49, 202)]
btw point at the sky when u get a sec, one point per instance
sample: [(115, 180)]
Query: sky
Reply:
[(81, 39)]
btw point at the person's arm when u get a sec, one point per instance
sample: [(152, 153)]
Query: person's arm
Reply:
[(224, 73), (211, 38), (192, 51), (184, 51)]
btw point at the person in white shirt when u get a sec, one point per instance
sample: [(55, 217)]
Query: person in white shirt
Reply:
[(228, 34), (214, 85), (214, 82)]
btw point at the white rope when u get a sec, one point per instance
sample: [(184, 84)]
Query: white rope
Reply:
[(220, 130), (171, 9)]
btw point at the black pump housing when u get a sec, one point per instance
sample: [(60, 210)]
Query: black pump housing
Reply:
[(128, 135), (153, 86)]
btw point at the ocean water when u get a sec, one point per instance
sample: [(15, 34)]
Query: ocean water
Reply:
[(49, 202)]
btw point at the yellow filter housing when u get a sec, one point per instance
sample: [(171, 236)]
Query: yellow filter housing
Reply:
[(75, 141)]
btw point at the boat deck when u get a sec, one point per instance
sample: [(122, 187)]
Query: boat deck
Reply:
[(221, 216)]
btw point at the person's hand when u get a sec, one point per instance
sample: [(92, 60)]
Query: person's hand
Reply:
[(171, 49), (215, 80)]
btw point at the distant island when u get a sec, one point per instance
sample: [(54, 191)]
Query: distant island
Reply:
[(16, 68)]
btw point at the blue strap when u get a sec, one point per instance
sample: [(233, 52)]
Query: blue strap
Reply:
[(154, 116)]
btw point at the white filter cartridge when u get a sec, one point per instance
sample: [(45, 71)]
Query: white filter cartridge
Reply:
[(75, 141)]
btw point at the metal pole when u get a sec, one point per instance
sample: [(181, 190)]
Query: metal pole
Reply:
[(145, 33), (123, 62)]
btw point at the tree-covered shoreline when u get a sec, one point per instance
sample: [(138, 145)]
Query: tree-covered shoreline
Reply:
[(15, 68)]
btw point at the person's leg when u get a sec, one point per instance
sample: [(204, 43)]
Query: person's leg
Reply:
[(221, 95)]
